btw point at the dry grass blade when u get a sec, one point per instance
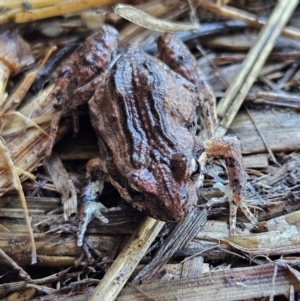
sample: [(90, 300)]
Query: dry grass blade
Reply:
[(15, 266), (17, 184), (63, 184), (24, 295), (58, 9), (230, 284), (261, 136), (178, 238), (236, 93), (279, 236), (279, 128), (32, 3), (127, 260), (140, 18), (20, 122), (31, 142)]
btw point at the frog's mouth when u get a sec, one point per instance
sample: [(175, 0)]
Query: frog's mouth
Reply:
[(153, 207), (169, 216), (162, 216)]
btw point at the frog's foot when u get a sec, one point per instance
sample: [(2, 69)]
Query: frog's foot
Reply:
[(88, 212), (238, 202), (229, 148), (90, 209)]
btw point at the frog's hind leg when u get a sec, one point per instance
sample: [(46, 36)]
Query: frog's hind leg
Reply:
[(89, 207), (229, 148)]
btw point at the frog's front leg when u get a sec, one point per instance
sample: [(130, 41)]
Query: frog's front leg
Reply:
[(229, 148), (89, 207)]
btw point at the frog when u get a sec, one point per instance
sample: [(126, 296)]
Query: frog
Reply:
[(146, 112)]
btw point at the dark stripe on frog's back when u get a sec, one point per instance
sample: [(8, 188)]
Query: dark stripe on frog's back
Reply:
[(140, 91)]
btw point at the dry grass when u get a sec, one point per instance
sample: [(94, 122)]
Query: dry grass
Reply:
[(188, 261)]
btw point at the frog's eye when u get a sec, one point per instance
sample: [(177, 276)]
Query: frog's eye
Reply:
[(179, 167), (194, 168)]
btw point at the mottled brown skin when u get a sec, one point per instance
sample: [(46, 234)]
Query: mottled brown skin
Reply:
[(76, 82), (145, 117), (178, 57), (147, 135)]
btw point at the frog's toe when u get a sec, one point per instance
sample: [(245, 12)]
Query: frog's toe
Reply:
[(238, 202), (89, 211)]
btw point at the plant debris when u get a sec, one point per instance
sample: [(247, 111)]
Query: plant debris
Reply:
[(255, 74)]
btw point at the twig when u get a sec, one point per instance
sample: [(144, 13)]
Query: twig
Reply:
[(229, 284), (292, 293), (262, 137), (128, 259), (63, 184), (9, 260), (59, 9), (147, 297), (184, 232), (17, 184), (271, 298)]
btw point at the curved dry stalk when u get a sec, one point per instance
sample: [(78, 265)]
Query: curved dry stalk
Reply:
[(17, 184), (14, 129), (20, 171)]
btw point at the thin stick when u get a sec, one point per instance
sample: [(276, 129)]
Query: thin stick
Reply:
[(28, 123), (17, 184), (261, 136), (58, 10), (236, 93), (14, 265), (128, 259)]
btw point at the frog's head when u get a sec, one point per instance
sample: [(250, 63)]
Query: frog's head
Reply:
[(167, 190)]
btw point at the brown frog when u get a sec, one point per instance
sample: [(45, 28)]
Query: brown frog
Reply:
[(145, 116)]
